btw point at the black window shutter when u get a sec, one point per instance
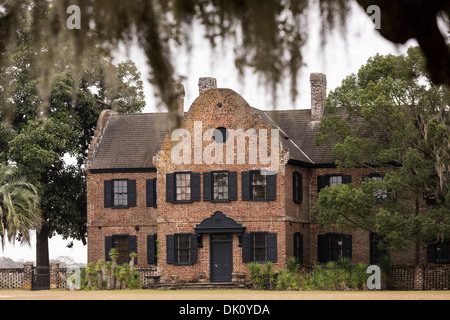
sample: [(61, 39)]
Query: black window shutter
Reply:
[(108, 247), (297, 190), (132, 246), (170, 187), (148, 192), (321, 182), (232, 186), (271, 187), (108, 193), (193, 248), (246, 186), (347, 247), (207, 186), (246, 248), (272, 248), (195, 186), (431, 253), (170, 249), (131, 193), (151, 249), (322, 249), (155, 192), (346, 179), (151, 193), (298, 247)]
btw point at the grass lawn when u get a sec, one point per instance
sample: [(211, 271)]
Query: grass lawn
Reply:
[(201, 295)]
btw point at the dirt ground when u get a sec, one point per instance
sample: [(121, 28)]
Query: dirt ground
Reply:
[(231, 295)]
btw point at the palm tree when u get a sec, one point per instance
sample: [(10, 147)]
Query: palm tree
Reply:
[(19, 206)]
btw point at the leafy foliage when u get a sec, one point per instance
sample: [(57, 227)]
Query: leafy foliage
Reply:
[(340, 275), (19, 206), (48, 121), (390, 118), (109, 276)]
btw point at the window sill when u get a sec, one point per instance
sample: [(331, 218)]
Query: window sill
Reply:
[(183, 264), (220, 201), (260, 200), (183, 201), (120, 207)]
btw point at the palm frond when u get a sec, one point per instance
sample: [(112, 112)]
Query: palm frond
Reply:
[(19, 206)]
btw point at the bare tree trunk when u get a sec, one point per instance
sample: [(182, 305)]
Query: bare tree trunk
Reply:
[(42, 255)]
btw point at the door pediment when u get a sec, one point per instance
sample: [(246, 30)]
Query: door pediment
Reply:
[(219, 223)]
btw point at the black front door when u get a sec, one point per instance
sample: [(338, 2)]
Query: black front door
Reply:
[(221, 257)]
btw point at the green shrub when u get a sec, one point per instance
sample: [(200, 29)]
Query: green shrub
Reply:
[(292, 265), (109, 275), (261, 274), (340, 275)]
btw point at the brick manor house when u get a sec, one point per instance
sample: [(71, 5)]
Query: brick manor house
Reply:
[(214, 217)]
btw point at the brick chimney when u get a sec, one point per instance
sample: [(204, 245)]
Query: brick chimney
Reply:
[(205, 84), (318, 95)]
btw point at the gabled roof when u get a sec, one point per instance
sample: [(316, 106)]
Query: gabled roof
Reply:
[(301, 130), (131, 141)]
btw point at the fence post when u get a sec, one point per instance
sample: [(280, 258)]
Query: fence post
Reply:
[(54, 274), (418, 278), (28, 275)]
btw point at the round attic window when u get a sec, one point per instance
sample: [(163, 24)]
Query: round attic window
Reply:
[(220, 104), (220, 135)]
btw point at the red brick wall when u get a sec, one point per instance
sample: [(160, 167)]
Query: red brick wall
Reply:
[(360, 239), (282, 216), (102, 222), (256, 216)]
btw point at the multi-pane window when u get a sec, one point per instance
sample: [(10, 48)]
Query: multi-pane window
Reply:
[(332, 247), (332, 180), (439, 252), (259, 247), (259, 185), (183, 186), (120, 243), (335, 181), (376, 253), (220, 186), (336, 247), (183, 248), (259, 241), (380, 194), (120, 193)]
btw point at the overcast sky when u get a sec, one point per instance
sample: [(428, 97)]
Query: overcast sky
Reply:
[(340, 58)]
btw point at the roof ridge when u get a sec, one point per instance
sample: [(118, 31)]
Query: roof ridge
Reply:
[(290, 140)]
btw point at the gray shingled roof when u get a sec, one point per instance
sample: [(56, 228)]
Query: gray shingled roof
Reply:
[(300, 129), (131, 141)]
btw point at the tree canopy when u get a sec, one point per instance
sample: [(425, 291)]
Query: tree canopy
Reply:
[(47, 133), (268, 35), (392, 119)]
